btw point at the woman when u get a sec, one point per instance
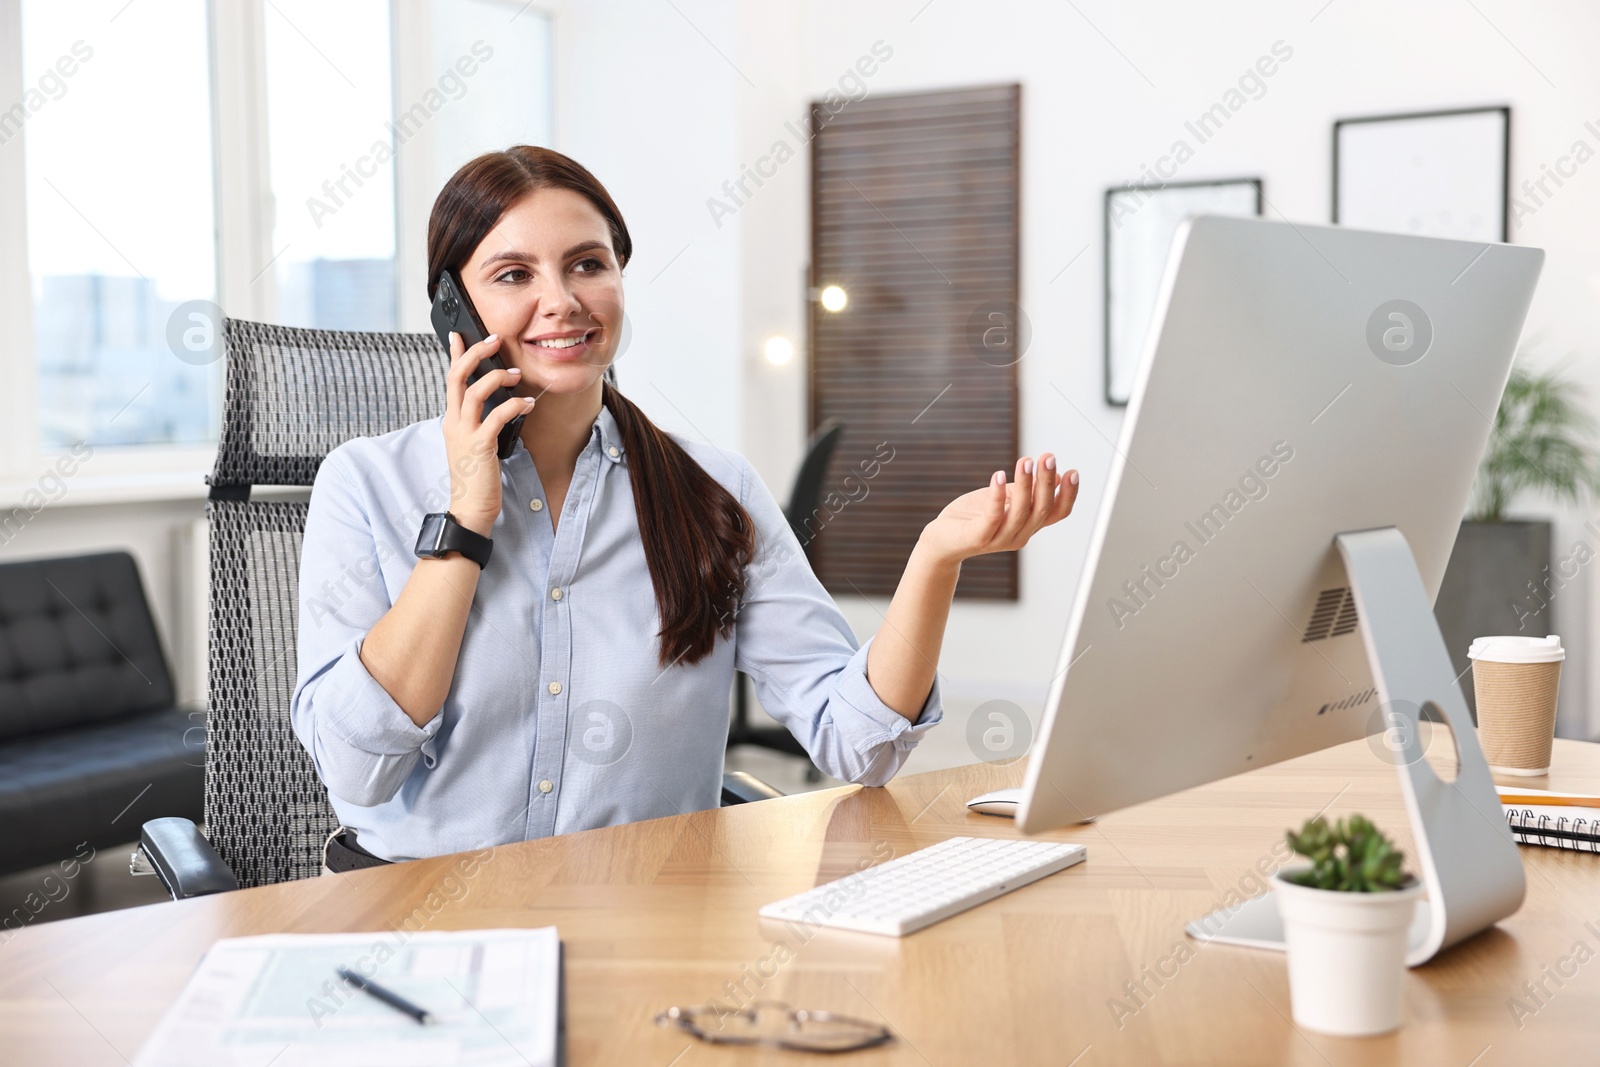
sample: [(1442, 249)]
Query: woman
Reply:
[(578, 676)]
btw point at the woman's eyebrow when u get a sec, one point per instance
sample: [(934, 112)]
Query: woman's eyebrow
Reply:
[(525, 257)]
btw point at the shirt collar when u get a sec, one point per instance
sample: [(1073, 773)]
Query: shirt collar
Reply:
[(611, 446)]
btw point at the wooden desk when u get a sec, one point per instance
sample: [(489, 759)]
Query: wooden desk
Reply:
[(664, 913)]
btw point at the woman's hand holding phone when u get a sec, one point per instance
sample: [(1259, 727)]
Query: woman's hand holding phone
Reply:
[(471, 438)]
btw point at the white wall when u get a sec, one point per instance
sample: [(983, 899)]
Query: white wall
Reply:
[(645, 102), (1106, 89)]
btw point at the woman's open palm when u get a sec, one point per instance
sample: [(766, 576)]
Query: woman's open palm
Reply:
[(1003, 515)]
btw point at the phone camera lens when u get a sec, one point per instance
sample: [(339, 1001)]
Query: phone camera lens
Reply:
[(451, 306)]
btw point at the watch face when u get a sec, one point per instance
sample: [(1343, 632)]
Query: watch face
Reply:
[(432, 534)]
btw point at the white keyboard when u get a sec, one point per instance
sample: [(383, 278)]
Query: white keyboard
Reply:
[(905, 894)]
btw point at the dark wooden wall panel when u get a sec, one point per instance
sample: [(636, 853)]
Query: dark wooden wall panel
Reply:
[(914, 213)]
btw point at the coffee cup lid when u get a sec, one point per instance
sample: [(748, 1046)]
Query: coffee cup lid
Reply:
[(1518, 649)]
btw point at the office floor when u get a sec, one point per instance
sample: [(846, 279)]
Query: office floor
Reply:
[(104, 884)]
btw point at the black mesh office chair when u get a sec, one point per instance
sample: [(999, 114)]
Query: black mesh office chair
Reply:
[(804, 499), (292, 396)]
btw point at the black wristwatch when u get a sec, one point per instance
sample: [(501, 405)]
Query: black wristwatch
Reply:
[(441, 533)]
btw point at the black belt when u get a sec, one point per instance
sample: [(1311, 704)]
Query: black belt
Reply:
[(344, 853)]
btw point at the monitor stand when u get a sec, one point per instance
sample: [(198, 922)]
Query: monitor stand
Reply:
[(1464, 849)]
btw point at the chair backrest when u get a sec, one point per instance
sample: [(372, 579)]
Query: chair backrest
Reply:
[(77, 644), (292, 396), (806, 495)]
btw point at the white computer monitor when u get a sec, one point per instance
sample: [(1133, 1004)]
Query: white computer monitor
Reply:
[(1300, 383)]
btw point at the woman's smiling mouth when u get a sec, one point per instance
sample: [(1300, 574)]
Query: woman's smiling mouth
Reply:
[(566, 346)]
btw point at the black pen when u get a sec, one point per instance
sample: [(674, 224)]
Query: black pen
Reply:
[(394, 1000)]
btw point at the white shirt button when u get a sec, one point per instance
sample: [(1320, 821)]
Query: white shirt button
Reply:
[(555, 594), (555, 687), (546, 785), (536, 504), (614, 451)]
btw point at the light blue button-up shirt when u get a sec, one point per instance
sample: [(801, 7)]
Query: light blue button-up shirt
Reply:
[(559, 717)]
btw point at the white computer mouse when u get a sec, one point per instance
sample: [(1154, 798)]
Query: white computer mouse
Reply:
[(1001, 802)]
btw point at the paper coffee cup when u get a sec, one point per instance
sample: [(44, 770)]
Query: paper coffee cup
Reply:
[(1516, 680)]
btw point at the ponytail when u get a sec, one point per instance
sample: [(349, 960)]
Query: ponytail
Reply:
[(697, 537)]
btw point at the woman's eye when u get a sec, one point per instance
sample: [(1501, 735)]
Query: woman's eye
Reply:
[(506, 276), (590, 265)]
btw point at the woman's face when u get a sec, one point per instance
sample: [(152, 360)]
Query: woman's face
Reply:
[(546, 280)]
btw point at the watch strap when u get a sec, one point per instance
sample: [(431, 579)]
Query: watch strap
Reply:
[(453, 537)]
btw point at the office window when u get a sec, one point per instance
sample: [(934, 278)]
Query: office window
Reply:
[(356, 112), (331, 145), (119, 216)]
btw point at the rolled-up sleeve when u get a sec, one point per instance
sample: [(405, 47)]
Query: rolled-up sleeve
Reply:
[(809, 674), (364, 746)]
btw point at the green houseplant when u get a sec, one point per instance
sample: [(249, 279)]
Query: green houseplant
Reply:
[(1350, 856), (1541, 441), (1502, 578), (1345, 916)]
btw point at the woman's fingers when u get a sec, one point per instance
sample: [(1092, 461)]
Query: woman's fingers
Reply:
[(462, 363), (1065, 499), (1008, 507), (454, 383), (1054, 494), (1041, 498), (503, 413), (478, 392), (1020, 507), (1044, 486), (1003, 517)]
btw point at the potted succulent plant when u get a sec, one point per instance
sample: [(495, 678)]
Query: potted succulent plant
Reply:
[(1501, 578), (1345, 918)]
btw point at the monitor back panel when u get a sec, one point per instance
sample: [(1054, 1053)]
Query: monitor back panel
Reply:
[(1279, 402)]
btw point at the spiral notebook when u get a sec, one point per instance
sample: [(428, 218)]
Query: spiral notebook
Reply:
[(1554, 820)]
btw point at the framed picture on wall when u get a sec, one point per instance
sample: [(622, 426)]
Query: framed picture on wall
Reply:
[(1141, 221), (1434, 173)]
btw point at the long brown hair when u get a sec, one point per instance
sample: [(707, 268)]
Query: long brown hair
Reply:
[(697, 537)]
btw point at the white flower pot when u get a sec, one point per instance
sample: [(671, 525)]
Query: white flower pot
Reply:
[(1347, 955)]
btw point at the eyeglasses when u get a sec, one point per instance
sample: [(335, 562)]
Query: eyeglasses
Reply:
[(776, 1025)]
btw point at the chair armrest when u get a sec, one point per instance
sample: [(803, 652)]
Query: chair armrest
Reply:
[(184, 860), (740, 787)]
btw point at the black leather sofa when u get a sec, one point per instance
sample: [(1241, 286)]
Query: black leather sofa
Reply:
[(91, 742)]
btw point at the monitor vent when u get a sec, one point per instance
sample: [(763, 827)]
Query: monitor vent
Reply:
[(1346, 622), (1348, 702), (1334, 615)]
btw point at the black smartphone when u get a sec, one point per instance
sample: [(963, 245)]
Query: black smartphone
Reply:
[(453, 313)]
